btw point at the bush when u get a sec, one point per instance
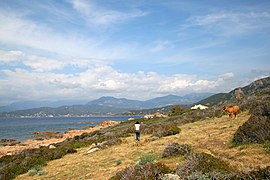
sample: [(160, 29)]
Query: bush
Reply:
[(37, 170), (147, 159), (163, 131), (32, 172), (176, 110), (208, 176), (175, 149), (266, 146), (204, 163), (256, 174), (118, 162), (11, 166), (257, 128), (147, 171)]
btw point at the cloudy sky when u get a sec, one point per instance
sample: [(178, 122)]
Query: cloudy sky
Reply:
[(136, 49)]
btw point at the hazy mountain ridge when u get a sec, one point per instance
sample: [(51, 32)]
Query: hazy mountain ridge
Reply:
[(22, 105), (111, 105), (75, 110), (151, 103), (108, 105), (116, 102), (237, 93)]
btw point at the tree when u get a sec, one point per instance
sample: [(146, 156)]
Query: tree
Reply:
[(176, 110)]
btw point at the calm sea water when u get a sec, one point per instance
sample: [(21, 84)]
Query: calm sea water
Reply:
[(21, 128)]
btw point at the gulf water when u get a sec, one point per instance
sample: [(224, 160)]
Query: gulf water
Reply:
[(22, 128)]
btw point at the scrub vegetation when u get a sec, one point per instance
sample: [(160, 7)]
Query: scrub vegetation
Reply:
[(199, 143)]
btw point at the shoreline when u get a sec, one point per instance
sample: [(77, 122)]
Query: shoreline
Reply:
[(33, 143)]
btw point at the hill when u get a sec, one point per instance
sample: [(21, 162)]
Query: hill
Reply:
[(116, 102), (75, 110), (237, 93), (212, 137), (103, 106), (22, 105), (206, 137), (151, 103)]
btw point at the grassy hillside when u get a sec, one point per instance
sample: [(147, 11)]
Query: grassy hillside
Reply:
[(237, 93), (208, 133), (212, 136)]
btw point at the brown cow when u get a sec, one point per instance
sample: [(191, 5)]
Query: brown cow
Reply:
[(231, 110)]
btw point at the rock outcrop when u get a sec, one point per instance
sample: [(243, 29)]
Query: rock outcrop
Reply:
[(51, 139)]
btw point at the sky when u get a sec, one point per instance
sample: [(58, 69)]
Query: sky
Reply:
[(136, 49)]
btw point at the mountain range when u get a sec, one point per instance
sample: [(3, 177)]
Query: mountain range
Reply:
[(237, 93), (103, 105), (110, 105), (152, 103)]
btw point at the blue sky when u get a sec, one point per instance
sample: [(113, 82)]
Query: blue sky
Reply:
[(78, 49)]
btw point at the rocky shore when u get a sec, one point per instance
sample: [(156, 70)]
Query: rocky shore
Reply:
[(10, 146)]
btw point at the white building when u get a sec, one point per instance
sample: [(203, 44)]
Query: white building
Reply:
[(199, 106)]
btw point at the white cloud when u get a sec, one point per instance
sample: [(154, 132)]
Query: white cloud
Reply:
[(104, 80), (230, 23), (160, 46), (43, 64), (99, 16), (226, 76), (17, 30), (85, 65), (7, 57)]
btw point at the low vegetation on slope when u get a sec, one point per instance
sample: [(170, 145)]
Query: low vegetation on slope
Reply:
[(208, 133), (206, 143), (257, 128)]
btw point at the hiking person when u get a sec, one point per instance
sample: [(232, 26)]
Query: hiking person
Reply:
[(137, 127)]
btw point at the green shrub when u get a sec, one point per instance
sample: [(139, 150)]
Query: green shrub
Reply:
[(204, 163), (176, 110), (175, 149), (17, 164), (147, 171), (148, 158), (266, 146), (209, 176), (37, 170), (32, 172), (118, 162), (40, 173), (257, 128), (163, 131), (255, 174)]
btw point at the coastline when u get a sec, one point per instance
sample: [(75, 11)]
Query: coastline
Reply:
[(32, 144)]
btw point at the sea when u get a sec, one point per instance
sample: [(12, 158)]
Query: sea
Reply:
[(22, 129)]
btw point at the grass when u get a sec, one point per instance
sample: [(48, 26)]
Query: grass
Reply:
[(212, 136)]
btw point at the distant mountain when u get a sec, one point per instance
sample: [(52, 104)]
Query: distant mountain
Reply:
[(116, 102), (22, 105), (75, 110), (173, 99), (103, 105), (237, 93), (152, 103)]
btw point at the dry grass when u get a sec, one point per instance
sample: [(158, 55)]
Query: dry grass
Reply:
[(212, 136)]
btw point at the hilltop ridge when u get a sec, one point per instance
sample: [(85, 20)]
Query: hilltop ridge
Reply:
[(237, 93)]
